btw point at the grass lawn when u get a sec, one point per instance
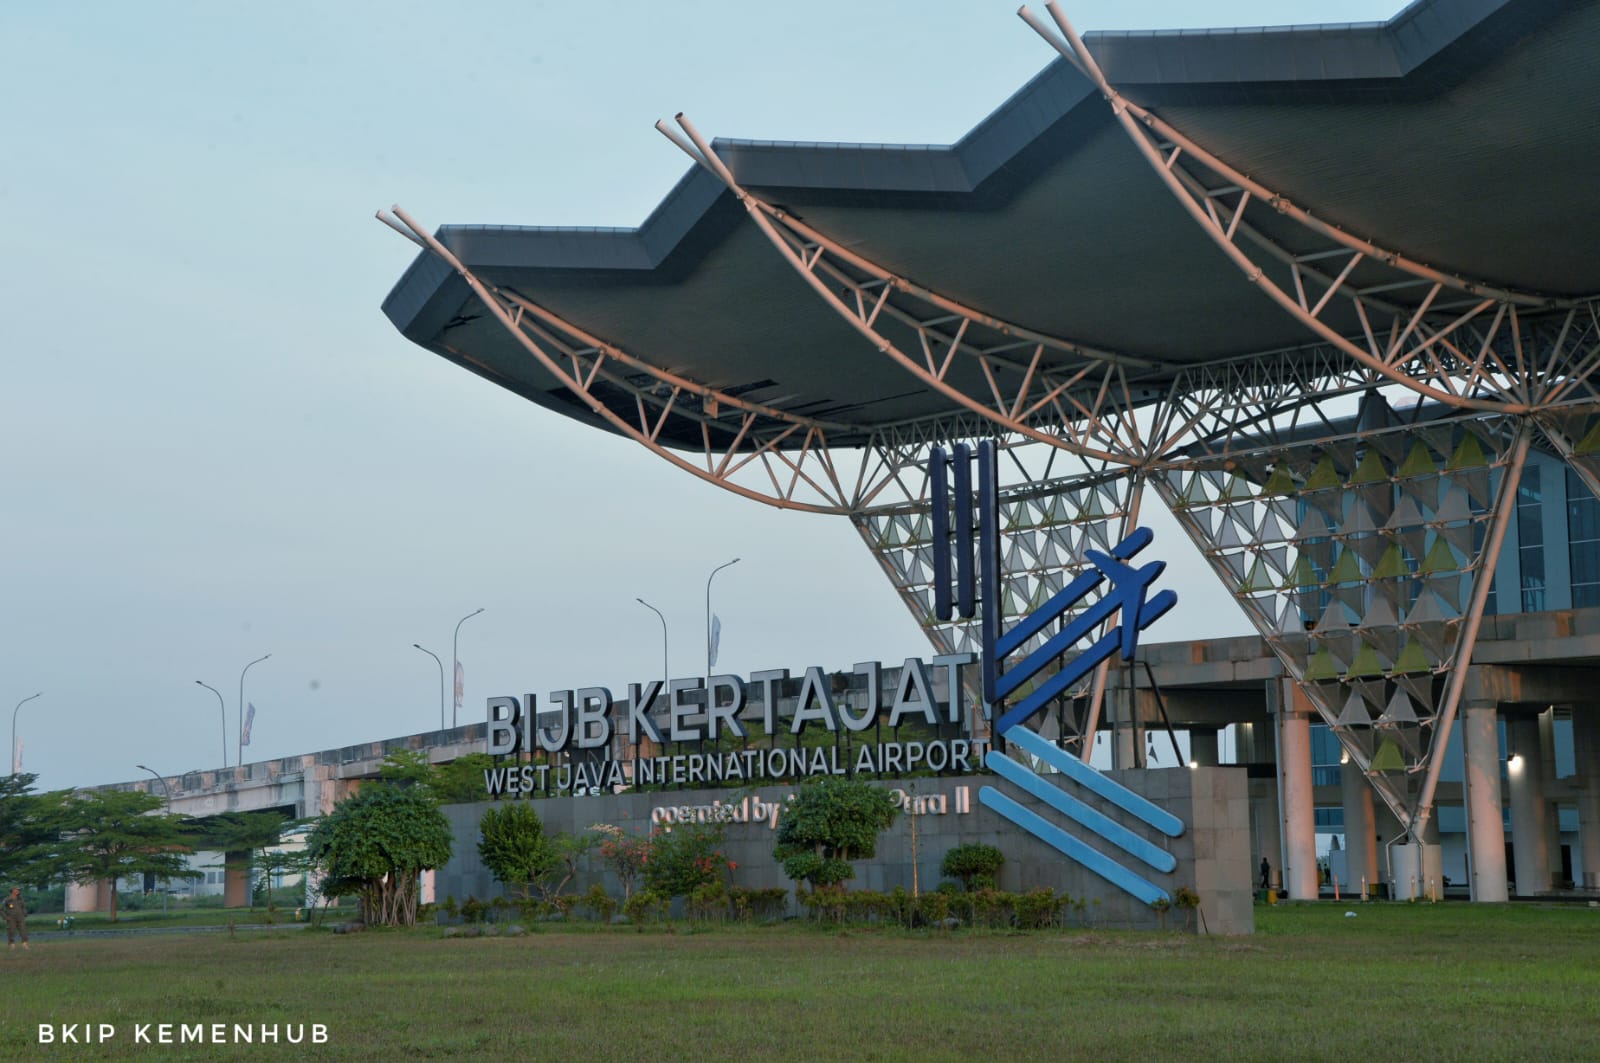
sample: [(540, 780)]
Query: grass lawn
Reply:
[(1397, 982)]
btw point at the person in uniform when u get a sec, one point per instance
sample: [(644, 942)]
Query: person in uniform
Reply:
[(16, 913)]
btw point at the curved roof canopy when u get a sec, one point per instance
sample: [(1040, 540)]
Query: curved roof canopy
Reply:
[(1462, 133)]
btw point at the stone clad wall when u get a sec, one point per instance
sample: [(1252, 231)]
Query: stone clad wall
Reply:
[(1213, 853)]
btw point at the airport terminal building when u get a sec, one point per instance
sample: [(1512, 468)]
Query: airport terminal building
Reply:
[(1327, 295)]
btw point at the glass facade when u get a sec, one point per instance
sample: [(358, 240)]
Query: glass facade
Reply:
[(1583, 542), (1530, 538)]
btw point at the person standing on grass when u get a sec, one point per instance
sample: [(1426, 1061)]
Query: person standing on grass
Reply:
[(16, 913)]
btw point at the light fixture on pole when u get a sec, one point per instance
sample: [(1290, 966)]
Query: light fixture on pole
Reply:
[(222, 709), (709, 647), (455, 663), (21, 703), (664, 673), (247, 667), (440, 663), (168, 792)]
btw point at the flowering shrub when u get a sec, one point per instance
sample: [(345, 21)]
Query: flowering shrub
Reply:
[(684, 859), (625, 854)]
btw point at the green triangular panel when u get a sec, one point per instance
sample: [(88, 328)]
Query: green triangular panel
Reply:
[(1418, 463), (1365, 663), (1370, 471), (1388, 758), (1347, 569), (1324, 477), (1281, 482), (1321, 666), (1413, 658), (1468, 454), (1392, 565), (1440, 559), (1259, 581), (1590, 443)]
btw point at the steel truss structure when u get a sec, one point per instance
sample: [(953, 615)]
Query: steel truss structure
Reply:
[(1362, 548)]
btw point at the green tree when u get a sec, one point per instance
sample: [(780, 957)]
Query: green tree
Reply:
[(30, 831), (456, 782), (975, 864), (515, 848), (111, 833), (246, 839), (830, 822), (375, 845)]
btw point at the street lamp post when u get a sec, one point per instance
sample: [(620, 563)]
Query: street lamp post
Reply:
[(13, 750), (663, 619), (247, 667), (709, 578), (440, 663), (222, 710), (168, 792), (455, 659)]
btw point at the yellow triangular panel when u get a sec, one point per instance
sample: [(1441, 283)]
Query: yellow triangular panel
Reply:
[(1388, 758), (1370, 471), (1324, 477), (1322, 666), (1468, 455), (1413, 658), (1419, 462)]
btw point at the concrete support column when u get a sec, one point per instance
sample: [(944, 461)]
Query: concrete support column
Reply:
[(1295, 793), (1203, 746), (1586, 752), (1486, 836), (236, 880), (1267, 826), (86, 897), (1530, 849), (1360, 830)]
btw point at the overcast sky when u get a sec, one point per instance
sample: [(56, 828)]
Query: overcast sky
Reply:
[(216, 447)]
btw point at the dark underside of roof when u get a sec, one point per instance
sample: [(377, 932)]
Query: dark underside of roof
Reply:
[(1462, 133)]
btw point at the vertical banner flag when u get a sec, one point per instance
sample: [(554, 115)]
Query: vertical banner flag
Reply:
[(461, 682), (249, 718), (16, 759), (716, 638)]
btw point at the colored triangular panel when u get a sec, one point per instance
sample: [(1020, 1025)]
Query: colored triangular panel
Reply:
[(1370, 471), (1324, 477), (1387, 757), (1468, 454), (1413, 658), (1440, 559), (1365, 663), (1281, 482), (1347, 569), (1391, 564), (1419, 462), (1259, 581), (1590, 443), (1321, 666)]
